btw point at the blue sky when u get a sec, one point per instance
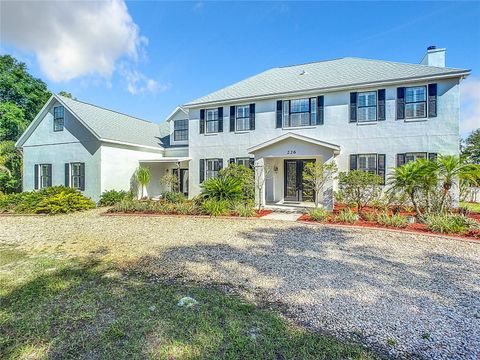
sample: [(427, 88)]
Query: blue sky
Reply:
[(155, 55)]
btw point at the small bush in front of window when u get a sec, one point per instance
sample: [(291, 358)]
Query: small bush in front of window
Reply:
[(222, 188), (346, 216), (318, 214), (174, 197), (112, 197), (214, 207), (359, 188)]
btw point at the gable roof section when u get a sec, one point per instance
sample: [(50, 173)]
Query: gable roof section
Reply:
[(290, 135), (175, 111), (106, 125), (325, 76)]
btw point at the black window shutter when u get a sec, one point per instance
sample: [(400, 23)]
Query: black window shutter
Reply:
[(432, 100), (202, 121), (232, 118), (353, 161), (279, 114), (432, 156), (251, 163), (49, 167), (381, 166), (252, 116), (202, 170), (400, 103), (67, 174), (320, 110), (36, 176), (82, 176), (220, 119), (381, 105), (400, 160), (220, 164), (232, 161), (353, 107)]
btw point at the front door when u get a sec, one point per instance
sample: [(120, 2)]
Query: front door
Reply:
[(295, 188)]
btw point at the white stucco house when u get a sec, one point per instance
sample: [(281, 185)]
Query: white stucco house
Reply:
[(363, 114)]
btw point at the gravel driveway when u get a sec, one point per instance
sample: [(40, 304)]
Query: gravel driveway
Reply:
[(404, 295)]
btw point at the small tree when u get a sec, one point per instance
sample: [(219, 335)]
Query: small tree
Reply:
[(143, 176), (317, 174), (170, 180), (262, 173), (359, 188)]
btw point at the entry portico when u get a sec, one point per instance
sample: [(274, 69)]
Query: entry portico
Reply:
[(279, 164)]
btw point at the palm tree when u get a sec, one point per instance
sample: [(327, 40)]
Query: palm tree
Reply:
[(452, 168), (143, 176)]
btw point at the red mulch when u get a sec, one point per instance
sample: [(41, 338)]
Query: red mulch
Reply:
[(415, 227), (261, 213)]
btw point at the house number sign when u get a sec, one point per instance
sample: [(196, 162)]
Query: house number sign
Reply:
[(291, 152)]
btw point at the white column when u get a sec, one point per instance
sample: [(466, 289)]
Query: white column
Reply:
[(260, 182)]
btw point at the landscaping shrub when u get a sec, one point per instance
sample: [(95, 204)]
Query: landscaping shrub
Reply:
[(51, 200), (246, 178), (347, 216), (450, 224), (174, 197), (359, 188), (395, 220), (243, 209), (318, 214), (369, 216), (215, 207), (186, 208), (222, 188), (112, 197)]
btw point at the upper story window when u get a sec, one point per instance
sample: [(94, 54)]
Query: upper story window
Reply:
[(213, 166), (242, 118), (300, 112), (367, 106), (211, 117), (415, 102), (58, 118), (180, 130)]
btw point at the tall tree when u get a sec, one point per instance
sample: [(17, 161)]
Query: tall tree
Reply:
[(12, 121), (17, 86), (66, 94), (471, 147)]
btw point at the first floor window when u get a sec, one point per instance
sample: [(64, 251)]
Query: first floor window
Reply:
[(403, 158), (415, 102), (367, 162), (180, 130), (75, 175), (58, 118), (413, 156), (212, 120), (244, 161), (212, 168), (45, 173), (367, 106), (242, 117)]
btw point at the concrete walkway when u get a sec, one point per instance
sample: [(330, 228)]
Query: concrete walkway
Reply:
[(281, 216)]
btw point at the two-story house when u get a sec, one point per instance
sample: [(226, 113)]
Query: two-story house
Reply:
[(364, 114)]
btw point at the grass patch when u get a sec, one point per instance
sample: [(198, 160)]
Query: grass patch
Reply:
[(474, 207), (67, 308)]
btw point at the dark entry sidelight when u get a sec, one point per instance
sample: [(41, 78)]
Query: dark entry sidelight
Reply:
[(183, 180), (295, 188)]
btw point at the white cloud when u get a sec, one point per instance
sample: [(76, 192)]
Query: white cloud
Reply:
[(470, 106), (73, 39), (137, 83)]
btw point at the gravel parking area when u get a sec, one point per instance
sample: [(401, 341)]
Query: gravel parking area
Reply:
[(404, 295)]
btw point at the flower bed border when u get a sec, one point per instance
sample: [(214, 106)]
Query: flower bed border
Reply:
[(409, 229), (200, 216)]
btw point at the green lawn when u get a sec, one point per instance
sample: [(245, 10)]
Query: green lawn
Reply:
[(69, 308), (475, 207)]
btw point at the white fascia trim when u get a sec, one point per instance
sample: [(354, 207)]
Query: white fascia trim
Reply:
[(174, 112), (166, 160), (159, 148), (460, 74), (334, 147)]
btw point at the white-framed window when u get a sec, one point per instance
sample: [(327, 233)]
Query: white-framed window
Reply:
[(211, 119), (243, 161), (77, 175), (367, 162), (45, 175), (242, 117), (413, 156), (367, 106), (415, 102), (180, 130), (212, 168), (58, 118)]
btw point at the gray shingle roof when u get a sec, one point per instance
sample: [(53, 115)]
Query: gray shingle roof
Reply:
[(329, 74), (112, 125)]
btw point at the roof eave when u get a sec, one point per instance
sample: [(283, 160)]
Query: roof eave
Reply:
[(456, 74)]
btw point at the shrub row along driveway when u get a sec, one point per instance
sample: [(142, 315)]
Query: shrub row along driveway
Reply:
[(401, 294)]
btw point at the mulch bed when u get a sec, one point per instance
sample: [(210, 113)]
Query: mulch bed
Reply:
[(415, 227)]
